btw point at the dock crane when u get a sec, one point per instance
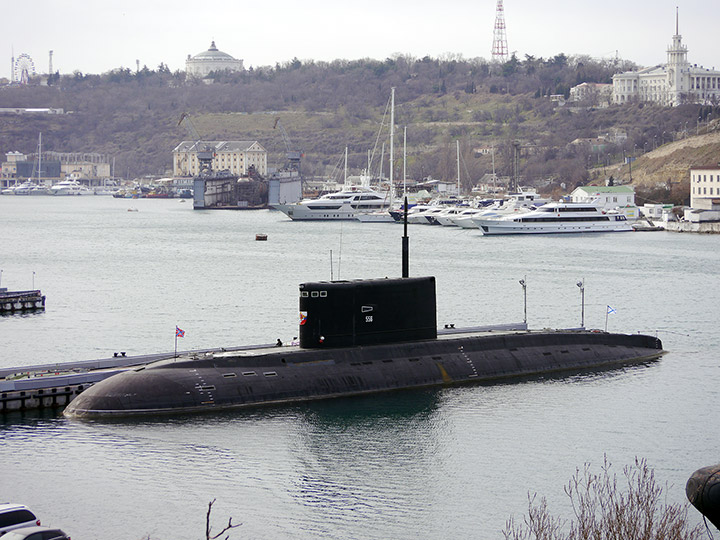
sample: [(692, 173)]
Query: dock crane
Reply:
[(203, 151), (293, 156)]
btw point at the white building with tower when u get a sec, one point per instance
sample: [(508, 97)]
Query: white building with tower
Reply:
[(670, 84), (212, 60)]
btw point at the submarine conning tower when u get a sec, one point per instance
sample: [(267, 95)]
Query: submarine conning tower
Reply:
[(367, 312)]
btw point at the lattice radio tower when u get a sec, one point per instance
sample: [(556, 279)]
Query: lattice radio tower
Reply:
[(499, 46)]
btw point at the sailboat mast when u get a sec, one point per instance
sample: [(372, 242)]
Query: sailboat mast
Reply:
[(493, 166), (345, 178), (392, 134), (458, 166), (405, 162), (39, 157)]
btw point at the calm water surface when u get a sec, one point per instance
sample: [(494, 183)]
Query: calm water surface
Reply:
[(446, 463)]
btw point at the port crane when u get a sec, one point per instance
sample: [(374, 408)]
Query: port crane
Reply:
[(293, 156), (203, 151)]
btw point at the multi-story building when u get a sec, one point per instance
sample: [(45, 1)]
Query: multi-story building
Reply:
[(670, 84), (9, 167), (89, 168), (234, 156), (82, 165), (212, 60), (705, 187)]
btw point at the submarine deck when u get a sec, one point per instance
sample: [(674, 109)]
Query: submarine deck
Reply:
[(268, 375)]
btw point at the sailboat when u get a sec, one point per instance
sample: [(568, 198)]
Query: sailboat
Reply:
[(38, 188), (383, 215)]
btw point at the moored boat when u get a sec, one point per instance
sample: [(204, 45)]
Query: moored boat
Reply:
[(346, 204), (69, 187), (557, 217), (357, 337)]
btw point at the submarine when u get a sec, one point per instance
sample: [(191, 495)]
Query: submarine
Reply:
[(703, 492), (357, 337)]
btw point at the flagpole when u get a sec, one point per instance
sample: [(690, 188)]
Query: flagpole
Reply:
[(607, 312), (176, 342)]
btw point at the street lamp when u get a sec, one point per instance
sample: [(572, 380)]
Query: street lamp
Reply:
[(581, 284), (523, 282)]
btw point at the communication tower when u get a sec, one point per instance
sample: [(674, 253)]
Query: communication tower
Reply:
[(499, 46), (50, 71)]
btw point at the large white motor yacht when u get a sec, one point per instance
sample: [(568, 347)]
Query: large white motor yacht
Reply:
[(559, 217), (345, 204), (70, 187)]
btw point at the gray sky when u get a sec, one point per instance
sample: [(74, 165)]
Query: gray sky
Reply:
[(98, 36)]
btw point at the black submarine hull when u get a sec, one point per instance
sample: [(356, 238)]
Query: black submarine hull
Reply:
[(291, 374)]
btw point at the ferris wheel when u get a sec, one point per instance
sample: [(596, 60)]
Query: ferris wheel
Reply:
[(24, 68)]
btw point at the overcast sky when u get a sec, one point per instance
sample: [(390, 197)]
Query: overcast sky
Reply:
[(96, 37)]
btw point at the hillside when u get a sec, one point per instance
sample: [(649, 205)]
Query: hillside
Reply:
[(133, 117)]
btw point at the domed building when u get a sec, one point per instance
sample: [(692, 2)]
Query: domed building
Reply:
[(202, 64)]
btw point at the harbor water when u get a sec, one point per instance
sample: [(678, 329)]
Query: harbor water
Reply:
[(446, 463)]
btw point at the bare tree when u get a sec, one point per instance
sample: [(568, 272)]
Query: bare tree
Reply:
[(603, 510), (208, 528)]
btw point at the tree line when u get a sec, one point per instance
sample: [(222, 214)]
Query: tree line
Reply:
[(133, 114)]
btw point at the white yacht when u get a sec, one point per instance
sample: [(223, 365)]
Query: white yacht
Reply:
[(39, 190), (378, 216), (447, 216), (558, 217), (70, 187), (20, 189), (345, 204), (423, 214), (464, 218)]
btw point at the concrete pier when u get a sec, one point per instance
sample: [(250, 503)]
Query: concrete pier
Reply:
[(20, 301), (55, 385)]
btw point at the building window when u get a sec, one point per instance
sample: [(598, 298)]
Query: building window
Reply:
[(704, 191)]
